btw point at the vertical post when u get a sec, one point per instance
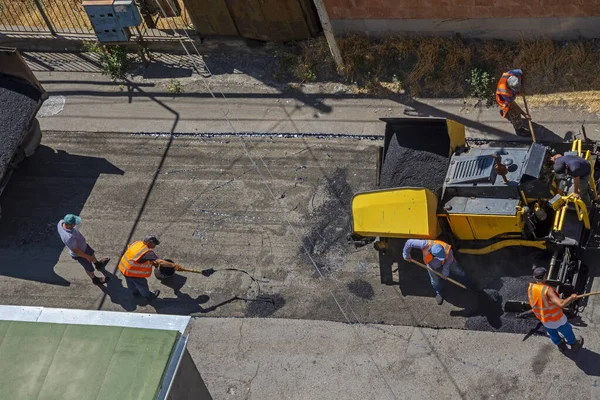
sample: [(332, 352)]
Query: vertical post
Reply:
[(45, 17), (328, 30)]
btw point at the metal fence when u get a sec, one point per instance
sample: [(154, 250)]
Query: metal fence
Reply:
[(68, 18)]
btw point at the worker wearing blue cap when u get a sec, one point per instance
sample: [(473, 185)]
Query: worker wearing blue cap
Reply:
[(79, 249), (438, 256)]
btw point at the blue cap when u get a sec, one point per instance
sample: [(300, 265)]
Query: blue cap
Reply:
[(72, 219), (438, 252)]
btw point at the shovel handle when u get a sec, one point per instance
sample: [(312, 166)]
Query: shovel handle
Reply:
[(437, 273), (528, 120)]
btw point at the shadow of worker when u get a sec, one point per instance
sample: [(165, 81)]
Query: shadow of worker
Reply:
[(44, 188), (587, 360), (183, 303)]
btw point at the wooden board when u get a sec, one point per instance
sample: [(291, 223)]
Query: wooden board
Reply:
[(211, 17), (268, 20)]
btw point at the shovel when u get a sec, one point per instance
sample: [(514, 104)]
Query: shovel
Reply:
[(437, 273), (529, 119)]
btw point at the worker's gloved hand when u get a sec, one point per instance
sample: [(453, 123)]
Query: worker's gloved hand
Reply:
[(408, 258), (527, 116), (576, 195)]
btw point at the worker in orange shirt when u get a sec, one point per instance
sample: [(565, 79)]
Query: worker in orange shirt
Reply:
[(509, 87), (548, 308)]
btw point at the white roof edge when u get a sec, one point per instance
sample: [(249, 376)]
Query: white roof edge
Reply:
[(93, 317)]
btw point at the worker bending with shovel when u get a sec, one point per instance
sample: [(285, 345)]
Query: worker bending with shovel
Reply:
[(548, 308), (438, 257), (136, 266), (509, 87)]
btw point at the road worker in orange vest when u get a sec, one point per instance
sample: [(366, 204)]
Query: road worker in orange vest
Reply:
[(438, 256), (509, 87), (548, 308), (136, 265)]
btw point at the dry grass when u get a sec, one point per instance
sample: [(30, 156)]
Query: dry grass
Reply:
[(556, 72)]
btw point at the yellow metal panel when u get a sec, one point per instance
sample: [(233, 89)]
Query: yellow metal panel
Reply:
[(489, 226), (483, 227), (456, 132), (396, 213), (459, 225)]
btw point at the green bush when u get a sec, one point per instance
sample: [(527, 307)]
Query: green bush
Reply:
[(482, 86), (113, 59)]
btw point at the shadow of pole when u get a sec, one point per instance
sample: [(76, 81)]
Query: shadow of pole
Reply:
[(131, 87)]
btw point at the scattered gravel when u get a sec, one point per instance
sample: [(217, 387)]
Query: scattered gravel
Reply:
[(330, 222), (407, 167), (362, 289)]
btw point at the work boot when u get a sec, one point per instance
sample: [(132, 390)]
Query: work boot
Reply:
[(102, 263), (153, 295), (562, 346), (439, 299), (578, 344)]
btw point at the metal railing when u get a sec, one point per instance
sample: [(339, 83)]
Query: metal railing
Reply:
[(68, 18)]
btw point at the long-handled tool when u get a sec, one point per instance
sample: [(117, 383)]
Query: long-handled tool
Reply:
[(437, 273), (528, 119), (581, 296)]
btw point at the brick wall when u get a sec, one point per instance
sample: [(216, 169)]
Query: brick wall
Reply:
[(459, 9)]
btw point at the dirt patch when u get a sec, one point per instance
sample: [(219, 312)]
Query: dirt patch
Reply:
[(444, 67)]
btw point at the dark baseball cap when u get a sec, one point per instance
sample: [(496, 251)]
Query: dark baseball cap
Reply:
[(151, 238), (539, 272)]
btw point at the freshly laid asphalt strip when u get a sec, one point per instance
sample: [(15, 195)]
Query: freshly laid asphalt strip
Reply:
[(406, 167), (17, 108)]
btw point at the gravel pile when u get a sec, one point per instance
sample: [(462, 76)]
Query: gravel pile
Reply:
[(408, 167), (18, 105)]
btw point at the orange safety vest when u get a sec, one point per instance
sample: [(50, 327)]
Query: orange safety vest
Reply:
[(428, 257), (130, 265), (542, 307), (503, 90)]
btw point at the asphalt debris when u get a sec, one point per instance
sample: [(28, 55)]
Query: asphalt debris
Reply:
[(264, 306), (325, 243), (408, 167), (18, 109), (361, 288)]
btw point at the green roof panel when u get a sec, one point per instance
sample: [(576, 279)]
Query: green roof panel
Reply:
[(45, 361)]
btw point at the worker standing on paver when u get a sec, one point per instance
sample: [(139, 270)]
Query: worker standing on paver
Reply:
[(548, 308), (79, 249), (437, 255), (580, 170), (136, 265), (509, 87)]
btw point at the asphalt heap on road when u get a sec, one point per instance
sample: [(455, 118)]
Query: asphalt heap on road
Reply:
[(18, 103)]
